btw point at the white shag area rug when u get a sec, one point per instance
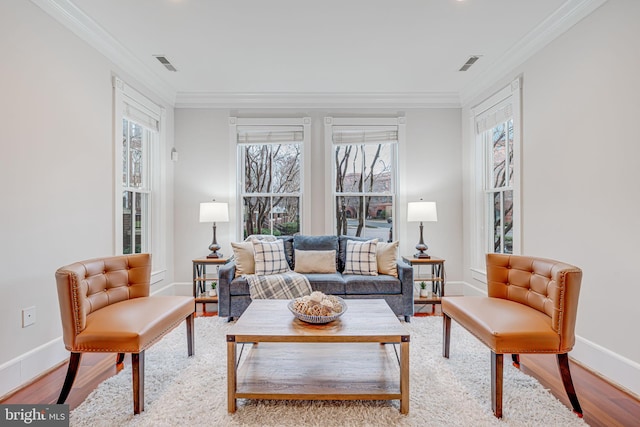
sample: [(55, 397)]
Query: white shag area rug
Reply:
[(182, 391)]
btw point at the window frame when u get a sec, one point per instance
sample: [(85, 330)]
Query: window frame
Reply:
[(501, 107), (235, 125), (134, 106), (397, 123)]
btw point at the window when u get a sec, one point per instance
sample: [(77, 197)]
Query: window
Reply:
[(497, 128), (498, 143), (364, 159), (271, 180), (138, 210), (136, 142)]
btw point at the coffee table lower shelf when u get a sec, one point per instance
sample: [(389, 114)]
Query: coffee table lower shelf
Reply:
[(318, 371)]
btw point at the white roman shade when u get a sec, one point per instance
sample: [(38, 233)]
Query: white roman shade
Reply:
[(141, 115), (498, 114), (137, 107), (495, 110), (270, 134), (364, 134)]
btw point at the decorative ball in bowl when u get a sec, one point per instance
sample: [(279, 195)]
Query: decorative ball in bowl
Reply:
[(318, 308)]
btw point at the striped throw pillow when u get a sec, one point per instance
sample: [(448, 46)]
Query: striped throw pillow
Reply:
[(361, 258), (269, 257)]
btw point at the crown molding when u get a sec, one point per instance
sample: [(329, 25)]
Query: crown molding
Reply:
[(565, 17), (74, 19), (317, 100), (70, 16)]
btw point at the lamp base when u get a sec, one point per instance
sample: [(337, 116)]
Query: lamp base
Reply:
[(214, 255), (422, 255)]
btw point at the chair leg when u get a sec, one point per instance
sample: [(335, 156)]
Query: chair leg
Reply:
[(120, 358), (565, 373), (407, 319), (137, 368), (446, 335), (516, 360), (72, 370), (190, 340), (496, 383)]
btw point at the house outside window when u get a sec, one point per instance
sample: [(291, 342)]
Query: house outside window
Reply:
[(497, 146), (364, 175), (270, 156)]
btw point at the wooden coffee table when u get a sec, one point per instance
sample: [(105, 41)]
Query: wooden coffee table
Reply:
[(282, 357)]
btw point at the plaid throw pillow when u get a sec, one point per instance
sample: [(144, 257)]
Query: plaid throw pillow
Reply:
[(361, 258), (269, 257)]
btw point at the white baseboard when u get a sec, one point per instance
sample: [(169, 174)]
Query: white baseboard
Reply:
[(468, 289), (616, 369), (183, 289), (23, 369)]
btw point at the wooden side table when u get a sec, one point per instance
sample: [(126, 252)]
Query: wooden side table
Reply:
[(201, 277), (436, 278)]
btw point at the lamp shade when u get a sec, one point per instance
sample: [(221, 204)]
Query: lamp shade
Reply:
[(214, 212), (422, 211)]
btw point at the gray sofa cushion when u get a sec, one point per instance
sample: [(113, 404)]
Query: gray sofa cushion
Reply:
[(315, 243), (371, 285), (288, 249), (327, 283)]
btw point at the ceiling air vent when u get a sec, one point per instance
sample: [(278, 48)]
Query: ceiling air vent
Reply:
[(164, 61), (472, 60)]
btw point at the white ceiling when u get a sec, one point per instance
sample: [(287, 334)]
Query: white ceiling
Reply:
[(251, 50)]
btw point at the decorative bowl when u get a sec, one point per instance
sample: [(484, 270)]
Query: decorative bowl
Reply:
[(318, 319)]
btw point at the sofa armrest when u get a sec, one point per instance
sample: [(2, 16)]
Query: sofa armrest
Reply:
[(405, 274), (226, 274)]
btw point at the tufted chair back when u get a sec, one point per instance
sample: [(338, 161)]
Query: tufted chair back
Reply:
[(87, 286), (549, 286)]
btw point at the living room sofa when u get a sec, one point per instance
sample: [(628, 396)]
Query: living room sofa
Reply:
[(234, 296)]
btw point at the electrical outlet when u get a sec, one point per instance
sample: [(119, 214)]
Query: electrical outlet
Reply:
[(28, 316)]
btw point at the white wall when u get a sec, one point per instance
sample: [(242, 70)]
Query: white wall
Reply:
[(56, 178), (430, 168), (580, 177)]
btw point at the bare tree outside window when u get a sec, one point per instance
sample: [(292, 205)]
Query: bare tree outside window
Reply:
[(135, 185), (272, 182), (364, 189)]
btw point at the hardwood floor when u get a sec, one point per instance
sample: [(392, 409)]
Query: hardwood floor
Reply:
[(604, 405)]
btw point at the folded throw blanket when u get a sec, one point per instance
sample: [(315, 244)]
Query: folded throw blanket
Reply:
[(278, 286)]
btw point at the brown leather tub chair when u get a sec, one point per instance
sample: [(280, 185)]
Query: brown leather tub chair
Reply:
[(106, 308), (530, 308)]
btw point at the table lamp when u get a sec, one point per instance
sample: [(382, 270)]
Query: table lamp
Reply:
[(214, 212), (419, 212)]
